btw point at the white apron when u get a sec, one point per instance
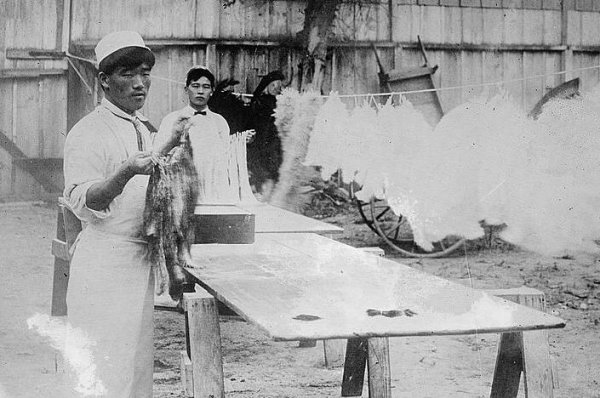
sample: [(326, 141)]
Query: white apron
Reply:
[(110, 297)]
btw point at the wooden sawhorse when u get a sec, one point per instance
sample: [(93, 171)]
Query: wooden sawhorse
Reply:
[(519, 353)]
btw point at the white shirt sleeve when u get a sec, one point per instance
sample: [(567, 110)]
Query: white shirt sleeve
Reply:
[(84, 166)]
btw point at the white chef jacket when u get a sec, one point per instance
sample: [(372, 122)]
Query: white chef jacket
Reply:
[(110, 295)]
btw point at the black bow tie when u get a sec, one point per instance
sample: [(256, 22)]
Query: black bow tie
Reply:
[(200, 113)]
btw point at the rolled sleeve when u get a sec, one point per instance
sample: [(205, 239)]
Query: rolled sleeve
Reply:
[(84, 165)]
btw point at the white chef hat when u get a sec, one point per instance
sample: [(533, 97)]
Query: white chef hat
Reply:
[(124, 46)]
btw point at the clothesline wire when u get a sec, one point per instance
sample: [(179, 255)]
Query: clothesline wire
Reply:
[(372, 95)]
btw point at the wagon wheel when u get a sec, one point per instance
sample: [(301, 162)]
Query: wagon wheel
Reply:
[(396, 232), (395, 227)]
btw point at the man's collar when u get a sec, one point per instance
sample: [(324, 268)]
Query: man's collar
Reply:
[(191, 111), (120, 112)]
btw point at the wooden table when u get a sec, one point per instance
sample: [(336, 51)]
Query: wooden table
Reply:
[(271, 219), (305, 286)]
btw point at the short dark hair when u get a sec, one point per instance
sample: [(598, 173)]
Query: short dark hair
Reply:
[(198, 72), (128, 57)]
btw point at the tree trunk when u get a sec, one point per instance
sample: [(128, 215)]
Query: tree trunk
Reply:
[(318, 22)]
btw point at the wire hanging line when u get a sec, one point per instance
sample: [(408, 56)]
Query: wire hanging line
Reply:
[(498, 83), (371, 96)]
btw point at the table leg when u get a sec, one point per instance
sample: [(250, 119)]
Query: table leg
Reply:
[(354, 367), (204, 344), (526, 352), (537, 365), (509, 364), (334, 351), (380, 377), (59, 287)]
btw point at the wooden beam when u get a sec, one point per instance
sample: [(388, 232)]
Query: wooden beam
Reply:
[(378, 362), (334, 351), (42, 170), (483, 47), (187, 378), (59, 250), (30, 73), (394, 75), (34, 53), (158, 43), (205, 344), (524, 352), (509, 364), (354, 367)]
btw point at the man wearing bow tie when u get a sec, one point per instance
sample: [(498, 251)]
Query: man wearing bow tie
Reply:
[(199, 86), (208, 135)]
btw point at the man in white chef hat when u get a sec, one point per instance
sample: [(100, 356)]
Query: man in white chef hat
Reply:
[(107, 162)]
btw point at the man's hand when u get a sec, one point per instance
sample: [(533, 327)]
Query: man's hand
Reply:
[(141, 163), (180, 126), (102, 193), (250, 134)]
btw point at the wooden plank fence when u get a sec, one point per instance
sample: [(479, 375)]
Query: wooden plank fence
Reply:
[(472, 42)]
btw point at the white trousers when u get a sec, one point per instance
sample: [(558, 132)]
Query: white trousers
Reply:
[(110, 299)]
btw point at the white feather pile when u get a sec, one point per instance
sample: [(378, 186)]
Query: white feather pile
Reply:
[(221, 166), (484, 161), (554, 208), (328, 135), (294, 118)]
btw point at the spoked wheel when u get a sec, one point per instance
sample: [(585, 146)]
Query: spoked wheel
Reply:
[(396, 232)]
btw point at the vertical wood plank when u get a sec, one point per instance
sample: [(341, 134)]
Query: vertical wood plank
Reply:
[(354, 367), (378, 362), (590, 28), (157, 104), (513, 26), (451, 76), (54, 122), (534, 355), (334, 352), (26, 134), (453, 25), (278, 18), (6, 128), (477, 25), (493, 25), (186, 374), (533, 27), (432, 18), (383, 25), (534, 88), (537, 365), (589, 77), (467, 24), (573, 28), (401, 27), (509, 365), (257, 16), (553, 62), (205, 344), (471, 74), (513, 69), (552, 28), (207, 19), (416, 23), (296, 16), (232, 21)]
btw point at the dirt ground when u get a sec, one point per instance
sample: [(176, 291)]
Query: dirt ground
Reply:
[(257, 367)]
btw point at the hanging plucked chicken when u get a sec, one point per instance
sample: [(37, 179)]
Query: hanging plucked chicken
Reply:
[(170, 201)]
